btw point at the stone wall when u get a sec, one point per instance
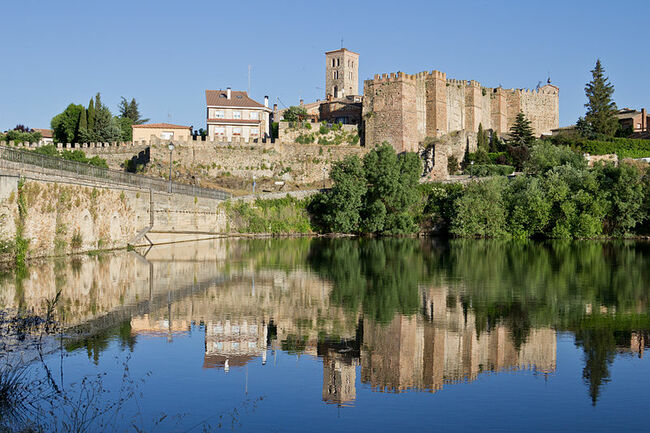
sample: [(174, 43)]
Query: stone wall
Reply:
[(289, 162), (393, 108), (65, 216)]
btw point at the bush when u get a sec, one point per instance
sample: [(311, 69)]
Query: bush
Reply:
[(71, 155), (623, 147), (482, 170), (544, 156), (480, 210), (452, 164)]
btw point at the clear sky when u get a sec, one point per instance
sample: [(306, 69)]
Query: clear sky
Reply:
[(165, 54)]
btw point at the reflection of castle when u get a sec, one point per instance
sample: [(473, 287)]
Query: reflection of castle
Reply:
[(414, 353)]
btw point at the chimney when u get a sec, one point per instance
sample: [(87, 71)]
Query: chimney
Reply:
[(228, 93), (275, 108), (266, 101), (644, 120), (302, 102)]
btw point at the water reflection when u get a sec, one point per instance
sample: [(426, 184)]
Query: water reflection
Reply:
[(393, 315)]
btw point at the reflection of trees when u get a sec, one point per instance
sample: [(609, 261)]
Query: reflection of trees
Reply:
[(97, 343), (379, 276)]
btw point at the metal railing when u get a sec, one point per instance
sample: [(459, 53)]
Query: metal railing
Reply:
[(107, 174)]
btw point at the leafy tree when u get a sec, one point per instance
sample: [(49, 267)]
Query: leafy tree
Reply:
[(21, 134), (65, 126), (521, 133), (480, 211), (624, 192), (295, 114), (131, 111), (392, 190), (601, 109), (338, 210), (545, 156), (585, 129)]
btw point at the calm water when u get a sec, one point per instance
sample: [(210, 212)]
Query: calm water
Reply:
[(337, 335)]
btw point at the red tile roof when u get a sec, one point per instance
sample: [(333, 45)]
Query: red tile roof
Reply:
[(246, 121), (161, 125), (45, 133), (219, 98)]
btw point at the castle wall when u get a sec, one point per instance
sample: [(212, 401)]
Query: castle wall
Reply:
[(404, 109)]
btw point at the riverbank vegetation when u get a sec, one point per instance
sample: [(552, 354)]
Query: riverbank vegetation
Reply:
[(557, 196)]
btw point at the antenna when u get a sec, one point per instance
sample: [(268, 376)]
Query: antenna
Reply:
[(341, 42), (249, 80)]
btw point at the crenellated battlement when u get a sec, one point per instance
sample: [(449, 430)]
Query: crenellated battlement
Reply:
[(405, 115)]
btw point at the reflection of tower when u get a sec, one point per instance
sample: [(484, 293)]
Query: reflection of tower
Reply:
[(339, 381)]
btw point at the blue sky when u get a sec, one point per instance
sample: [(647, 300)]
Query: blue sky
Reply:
[(165, 54)]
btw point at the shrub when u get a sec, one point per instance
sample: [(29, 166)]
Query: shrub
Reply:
[(482, 170), (623, 147), (544, 156), (480, 211), (452, 164)]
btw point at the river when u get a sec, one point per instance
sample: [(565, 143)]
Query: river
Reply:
[(331, 335)]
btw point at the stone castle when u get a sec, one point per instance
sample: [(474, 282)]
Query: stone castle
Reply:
[(404, 109)]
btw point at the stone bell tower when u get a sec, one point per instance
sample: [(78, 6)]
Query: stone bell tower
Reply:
[(341, 73)]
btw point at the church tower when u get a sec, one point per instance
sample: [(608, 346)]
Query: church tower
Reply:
[(341, 73)]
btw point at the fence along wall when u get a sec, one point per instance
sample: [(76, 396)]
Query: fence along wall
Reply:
[(108, 175)]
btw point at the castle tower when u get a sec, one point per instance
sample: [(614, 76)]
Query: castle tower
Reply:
[(341, 73)]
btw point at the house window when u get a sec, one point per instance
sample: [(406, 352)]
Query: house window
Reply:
[(167, 135), (236, 114), (253, 115), (220, 130), (236, 130), (219, 114), (254, 131)]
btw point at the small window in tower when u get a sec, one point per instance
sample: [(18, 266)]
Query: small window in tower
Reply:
[(338, 62), (333, 63)]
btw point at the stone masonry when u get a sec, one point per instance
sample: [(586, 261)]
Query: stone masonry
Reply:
[(403, 109)]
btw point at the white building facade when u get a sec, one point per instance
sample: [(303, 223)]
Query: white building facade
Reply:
[(233, 114)]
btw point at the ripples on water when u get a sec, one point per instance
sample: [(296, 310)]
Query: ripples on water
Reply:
[(310, 334)]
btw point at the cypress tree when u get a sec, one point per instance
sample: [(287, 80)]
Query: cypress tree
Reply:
[(83, 126), (480, 137), (91, 116), (601, 109), (521, 133)]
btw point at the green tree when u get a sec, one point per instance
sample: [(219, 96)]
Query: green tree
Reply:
[(91, 115), (130, 110), (392, 190), (295, 114), (65, 125), (107, 128), (521, 132), (482, 139), (623, 189), (480, 210), (601, 109), (338, 210), (544, 156), (83, 126)]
